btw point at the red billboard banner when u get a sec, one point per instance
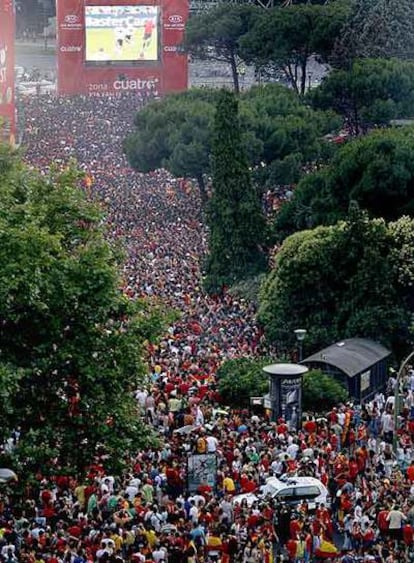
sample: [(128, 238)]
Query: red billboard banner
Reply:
[(7, 107), (107, 47)]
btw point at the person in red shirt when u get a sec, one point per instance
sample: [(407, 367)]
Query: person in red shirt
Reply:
[(382, 521), (282, 427), (410, 471), (310, 426), (295, 527), (408, 534), (353, 469), (247, 484), (291, 549)]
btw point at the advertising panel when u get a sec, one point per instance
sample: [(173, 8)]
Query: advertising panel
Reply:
[(291, 401), (201, 470), (286, 400), (114, 46), (121, 33), (7, 105)]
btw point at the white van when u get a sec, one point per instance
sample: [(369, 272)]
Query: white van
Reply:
[(290, 490)]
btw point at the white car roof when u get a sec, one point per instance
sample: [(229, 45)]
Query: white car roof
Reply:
[(286, 481)]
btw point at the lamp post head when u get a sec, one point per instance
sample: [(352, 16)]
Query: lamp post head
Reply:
[(300, 334)]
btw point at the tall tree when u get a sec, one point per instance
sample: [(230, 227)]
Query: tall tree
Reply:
[(283, 134), (287, 38), (215, 35), (280, 134), (377, 28), (369, 94), (73, 340), (174, 133), (237, 225), (346, 280), (377, 171)]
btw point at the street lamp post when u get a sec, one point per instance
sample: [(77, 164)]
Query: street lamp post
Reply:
[(300, 334), (397, 399)]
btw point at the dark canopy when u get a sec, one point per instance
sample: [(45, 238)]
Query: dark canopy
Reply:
[(351, 356)]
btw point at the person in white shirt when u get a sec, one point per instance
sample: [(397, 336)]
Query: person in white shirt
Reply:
[(193, 513), (292, 450), (199, 416), (396, 518), (212, 444), (159, 554), (141, 397), (387, 423)]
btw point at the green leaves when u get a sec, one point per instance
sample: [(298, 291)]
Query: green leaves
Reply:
[(377, 171), (287, 37), (174, 133), (350, 279), (280, 134), (320, 392), (240, 379), (378, 28), (371, 93), (237, 225), (71, 345)]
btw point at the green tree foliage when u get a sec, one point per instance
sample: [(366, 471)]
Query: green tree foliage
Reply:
[(243, 378), (346, 280), (372, 93), (283, 134), (72, 340), (215, 34), (287, 37), (279, 132), (237, 225), (240, 379), (321, 392), (174, 134), (377, 28), (377, 171)]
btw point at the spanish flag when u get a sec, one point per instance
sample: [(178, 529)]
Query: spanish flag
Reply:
[(326, 549)]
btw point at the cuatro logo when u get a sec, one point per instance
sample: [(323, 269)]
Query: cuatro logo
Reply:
[(71, 49), (135, 84)]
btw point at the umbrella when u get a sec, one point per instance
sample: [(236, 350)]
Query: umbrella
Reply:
[(7, 475)]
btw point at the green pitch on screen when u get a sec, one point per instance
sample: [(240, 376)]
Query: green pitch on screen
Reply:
[(101, 45)]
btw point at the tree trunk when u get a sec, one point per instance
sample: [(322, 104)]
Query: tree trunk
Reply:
[(202, 188), (303, 69), (291, 78), (234, 73)]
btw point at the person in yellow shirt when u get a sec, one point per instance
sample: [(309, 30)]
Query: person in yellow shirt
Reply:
[(228, 485), (117, 539), (151, 538)]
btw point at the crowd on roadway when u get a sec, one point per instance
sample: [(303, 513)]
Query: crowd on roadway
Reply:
[(151, 513)]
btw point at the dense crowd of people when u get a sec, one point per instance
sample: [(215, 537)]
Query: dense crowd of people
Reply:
[(152, 512)]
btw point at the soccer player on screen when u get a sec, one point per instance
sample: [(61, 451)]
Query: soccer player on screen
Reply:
[(119, 39), (129, 32), (149, 26)]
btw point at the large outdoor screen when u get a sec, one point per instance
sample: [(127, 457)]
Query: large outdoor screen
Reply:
[(121, 33)]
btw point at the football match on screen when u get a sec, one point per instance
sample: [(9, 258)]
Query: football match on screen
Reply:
[(121, 33)]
